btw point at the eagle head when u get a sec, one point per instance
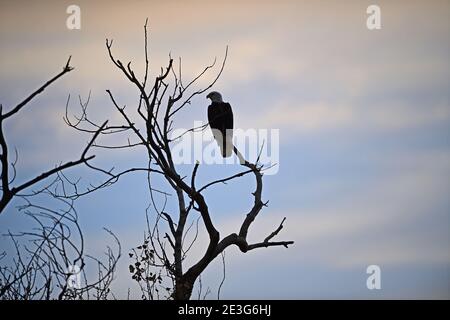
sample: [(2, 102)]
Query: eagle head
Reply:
[(214, 96)]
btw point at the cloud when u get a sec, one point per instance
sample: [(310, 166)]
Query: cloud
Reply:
[(318, 117), (382, 222), (303, 67), (395, 221), (311, 117)]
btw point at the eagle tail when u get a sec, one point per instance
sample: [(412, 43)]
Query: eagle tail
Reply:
[(225, 142), (226, 147)]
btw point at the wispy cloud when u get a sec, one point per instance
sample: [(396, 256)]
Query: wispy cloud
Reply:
[(376, 101)]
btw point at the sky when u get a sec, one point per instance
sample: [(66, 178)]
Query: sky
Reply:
[(364, 125)]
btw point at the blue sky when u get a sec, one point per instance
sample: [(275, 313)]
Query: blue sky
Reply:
[(364, 120)]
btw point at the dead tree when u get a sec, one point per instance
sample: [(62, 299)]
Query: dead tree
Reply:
[(8, 171), (159, 104), (49, 261), (39, 266)]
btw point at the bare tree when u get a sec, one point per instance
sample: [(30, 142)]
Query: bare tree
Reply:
[(8, 171), (49, 261), (165, 252), (39, 266)]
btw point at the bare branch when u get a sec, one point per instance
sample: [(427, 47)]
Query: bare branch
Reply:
[(67, 68), (9, 192), (83, 159)]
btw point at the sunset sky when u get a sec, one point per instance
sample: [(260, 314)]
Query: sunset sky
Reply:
[(363, 116)]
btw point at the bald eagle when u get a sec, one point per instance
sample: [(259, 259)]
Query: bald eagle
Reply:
[(220, 117)]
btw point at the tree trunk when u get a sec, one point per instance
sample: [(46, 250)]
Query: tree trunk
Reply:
[(183, 289)]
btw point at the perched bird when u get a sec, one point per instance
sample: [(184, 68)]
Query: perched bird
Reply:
[(220, 117)]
